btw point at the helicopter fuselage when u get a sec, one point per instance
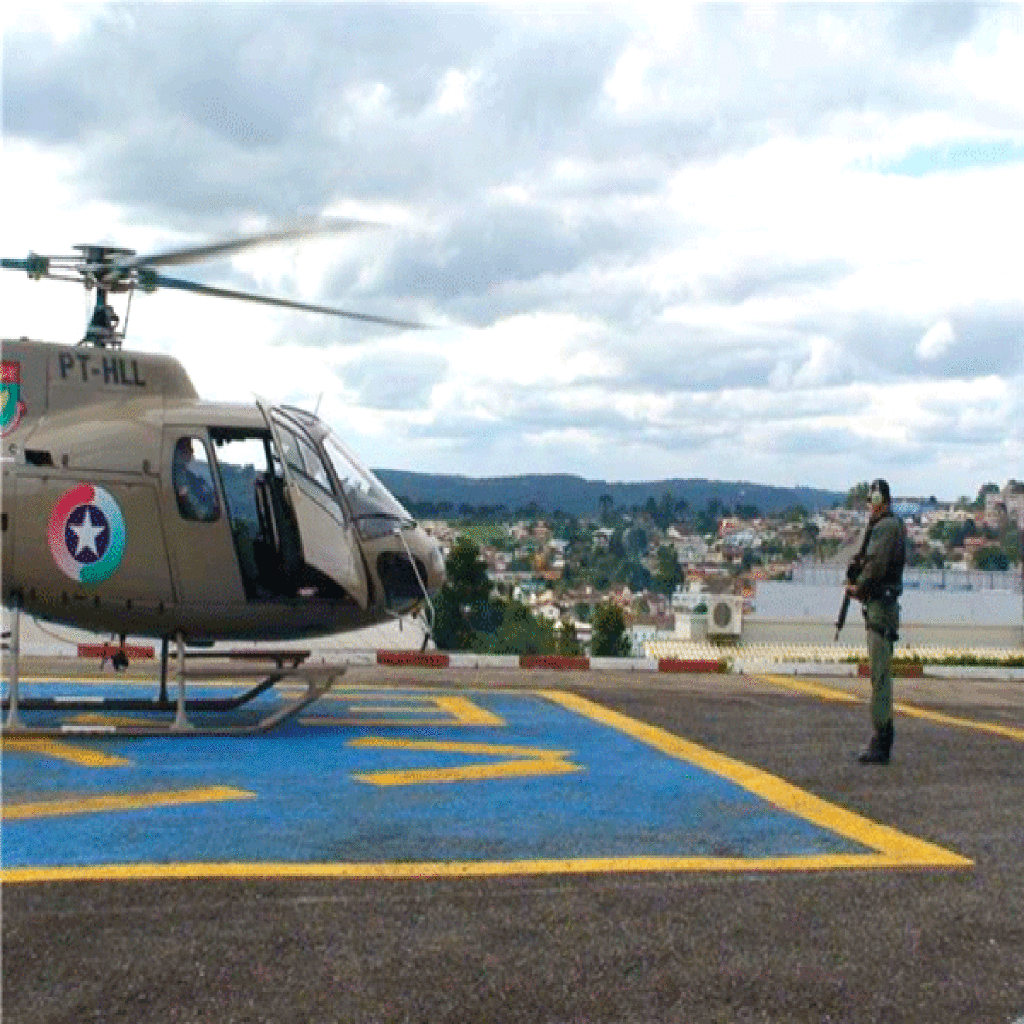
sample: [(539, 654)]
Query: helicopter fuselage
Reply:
[(132, 506)]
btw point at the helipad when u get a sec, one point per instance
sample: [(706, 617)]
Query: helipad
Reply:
[(379, 781)]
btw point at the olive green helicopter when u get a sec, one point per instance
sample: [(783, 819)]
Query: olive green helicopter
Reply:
[(130, 506)]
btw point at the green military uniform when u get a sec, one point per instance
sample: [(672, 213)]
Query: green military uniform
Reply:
[(879, 585)]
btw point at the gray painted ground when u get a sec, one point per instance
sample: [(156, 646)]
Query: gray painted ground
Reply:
[(860, 946)]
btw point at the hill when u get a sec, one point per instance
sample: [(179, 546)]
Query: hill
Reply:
[(575, 496)]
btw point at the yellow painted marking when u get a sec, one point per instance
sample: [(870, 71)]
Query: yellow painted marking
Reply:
[(894, 847), (449, 747), (995, 728), (98, 718), (134, 682), (376, 723), (527, 761), (468, 773), (452, 869), (828, 693), (814, 689), (121, 802), (81, 756), (459, 711), (409, 709), (465, 712)]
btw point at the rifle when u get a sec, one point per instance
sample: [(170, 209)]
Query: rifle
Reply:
[(852, 572)]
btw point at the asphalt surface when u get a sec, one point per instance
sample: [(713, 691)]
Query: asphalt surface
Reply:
[(860, 945)]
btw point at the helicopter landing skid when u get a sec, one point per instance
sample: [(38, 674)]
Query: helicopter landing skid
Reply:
[(317, 682)]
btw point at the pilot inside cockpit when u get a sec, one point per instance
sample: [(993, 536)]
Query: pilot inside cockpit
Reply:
[(193, 482)]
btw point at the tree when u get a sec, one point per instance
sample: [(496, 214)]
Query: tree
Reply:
[(748, 560), (991, 559), (520, 632), (637, 541), (567, 642), (666, 511), (466, 572), (857, 495), (452, 631), (983, 492), (609, 638), (952, 534), (569, 529), (670, 572), (464, 598), (707, 520), (633, 574), (616, 548)]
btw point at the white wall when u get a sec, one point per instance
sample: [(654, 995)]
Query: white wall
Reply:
[(782, 600), (799, 613)]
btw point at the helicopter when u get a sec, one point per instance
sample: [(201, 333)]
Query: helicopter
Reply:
[(132, 506)]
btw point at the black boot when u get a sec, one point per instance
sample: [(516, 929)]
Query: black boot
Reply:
[(878, 750)]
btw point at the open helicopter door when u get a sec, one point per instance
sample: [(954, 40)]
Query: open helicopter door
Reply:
[(327, 537)]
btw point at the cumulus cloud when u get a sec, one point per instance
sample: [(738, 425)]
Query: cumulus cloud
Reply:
[(938, 339), (393, 379)]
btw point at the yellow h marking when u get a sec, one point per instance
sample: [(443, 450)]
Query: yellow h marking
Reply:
[(82, 756), (459, 711), (121, 802), (527, 761)]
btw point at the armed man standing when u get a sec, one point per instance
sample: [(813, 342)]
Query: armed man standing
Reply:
[(877, 581)]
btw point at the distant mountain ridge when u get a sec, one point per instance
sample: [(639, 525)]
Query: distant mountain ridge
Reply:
[(579, 497)]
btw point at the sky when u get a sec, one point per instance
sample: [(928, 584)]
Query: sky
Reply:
[(780, 244)]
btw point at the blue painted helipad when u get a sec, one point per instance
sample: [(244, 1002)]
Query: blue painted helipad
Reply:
[(410, 781)]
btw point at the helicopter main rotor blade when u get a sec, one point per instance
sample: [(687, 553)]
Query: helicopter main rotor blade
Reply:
[(160, 281), (193, 254)]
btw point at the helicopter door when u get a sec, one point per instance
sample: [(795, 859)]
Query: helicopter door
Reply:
[(198, 533), (328, 539)]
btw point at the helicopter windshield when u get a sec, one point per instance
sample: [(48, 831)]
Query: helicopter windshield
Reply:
[(365, 495)]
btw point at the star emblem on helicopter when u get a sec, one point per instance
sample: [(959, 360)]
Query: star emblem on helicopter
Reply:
[(87, 534)]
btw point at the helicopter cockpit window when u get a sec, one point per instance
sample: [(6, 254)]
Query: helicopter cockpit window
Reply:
[(314, 465), (193, 481), (289, 444), (366, 496), (299, 454)]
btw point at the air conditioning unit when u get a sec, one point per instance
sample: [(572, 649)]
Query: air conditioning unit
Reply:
[(725, 616)]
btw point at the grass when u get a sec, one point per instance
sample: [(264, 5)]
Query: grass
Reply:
[(483, 531)]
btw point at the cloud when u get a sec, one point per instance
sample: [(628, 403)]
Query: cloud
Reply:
[(955, 157), (924, 25), (395, 379), (768, 241), (939, 338)]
